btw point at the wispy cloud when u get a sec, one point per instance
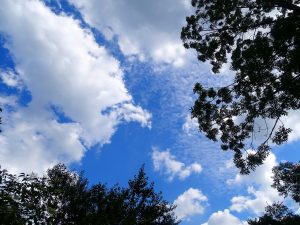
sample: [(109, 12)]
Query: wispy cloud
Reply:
[(171, 91), (190, 125)]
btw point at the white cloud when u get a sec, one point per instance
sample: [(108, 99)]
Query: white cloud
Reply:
[(164, 161), (60, 64), (224, 218), (259, 188), (145, 28), (32, 141), (9, 78), (190, 125), (293, 121), (262, 175), (262, 127), (190, 203)]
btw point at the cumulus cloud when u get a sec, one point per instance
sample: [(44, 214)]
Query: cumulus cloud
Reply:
[(190, 203), (260, 192), (145, 28), (34, 141), (61, 65), (224, 218), (165, 162)]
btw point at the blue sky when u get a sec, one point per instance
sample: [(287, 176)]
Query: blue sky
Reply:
[(105, 87)]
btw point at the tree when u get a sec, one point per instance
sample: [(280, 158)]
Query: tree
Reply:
[(261, 41), (277, 214), (66, 195), (262, 37), (63, 197), (58, 198), (287, 180), (9, 208), (137, 204), (145, 206)]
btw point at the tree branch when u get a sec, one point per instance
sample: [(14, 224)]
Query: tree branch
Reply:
[(288, 5)]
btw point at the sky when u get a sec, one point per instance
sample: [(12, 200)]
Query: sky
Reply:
[(106, 87)]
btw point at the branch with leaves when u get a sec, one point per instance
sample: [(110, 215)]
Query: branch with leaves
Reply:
[(262, 40)]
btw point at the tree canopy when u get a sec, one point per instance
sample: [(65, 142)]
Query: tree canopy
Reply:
[(277, 214), (260, 39), (64, 197), (287, 180)]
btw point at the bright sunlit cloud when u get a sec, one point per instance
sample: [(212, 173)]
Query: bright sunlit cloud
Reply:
[(167, 164), (224, 218), (145, 28), (61, 65), (190, 203), (260, 192), (95, 84)]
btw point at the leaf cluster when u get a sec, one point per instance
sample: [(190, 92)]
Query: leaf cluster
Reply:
[(262, 40), (287, 180)]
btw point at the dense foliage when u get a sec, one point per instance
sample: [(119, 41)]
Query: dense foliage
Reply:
[(63, 197), (277, 214), (287, 180), (261, 41)]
